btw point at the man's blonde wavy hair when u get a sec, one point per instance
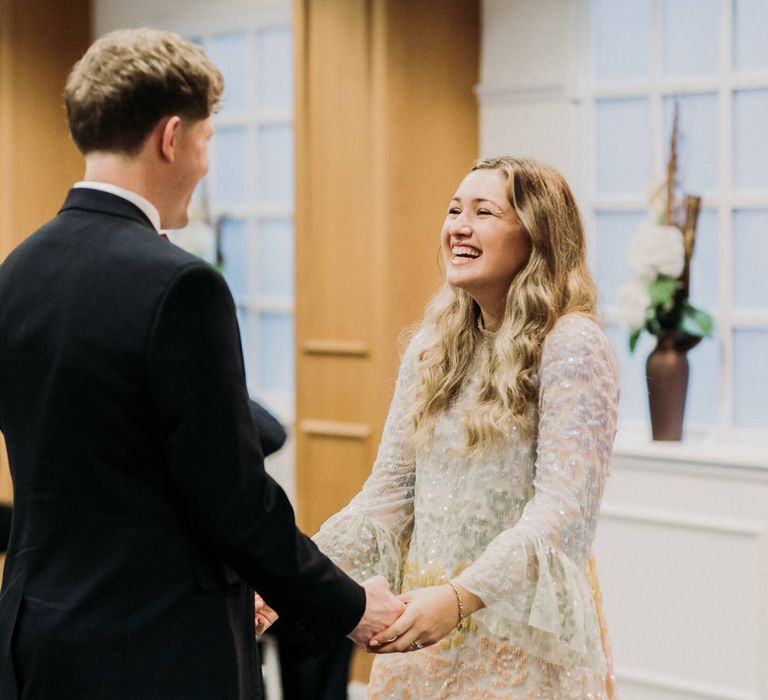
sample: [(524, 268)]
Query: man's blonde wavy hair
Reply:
[(555, 281)]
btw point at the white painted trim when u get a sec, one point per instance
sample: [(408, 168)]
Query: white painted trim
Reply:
[(764, 614), (754, 318), (745, 450), (265, 303), (491, 96), (706, 691), (253, 118), (737, 474), (725, 283), (748, 200), (660, 518), (619, 203), (255, 211)]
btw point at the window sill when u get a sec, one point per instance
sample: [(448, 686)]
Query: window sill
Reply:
[(748, 451)]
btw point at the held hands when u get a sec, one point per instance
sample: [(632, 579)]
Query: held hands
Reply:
[(265, 616), (432, 613), (382, 608)]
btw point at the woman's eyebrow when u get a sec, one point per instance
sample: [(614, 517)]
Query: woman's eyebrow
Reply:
[(478, 199)]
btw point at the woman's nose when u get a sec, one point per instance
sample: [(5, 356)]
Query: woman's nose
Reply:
[(461, 228)]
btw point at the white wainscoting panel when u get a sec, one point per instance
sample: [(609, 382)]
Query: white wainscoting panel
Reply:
[(682, 554)]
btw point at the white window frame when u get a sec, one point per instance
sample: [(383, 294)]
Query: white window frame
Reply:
[(655, 89), (205, 24)]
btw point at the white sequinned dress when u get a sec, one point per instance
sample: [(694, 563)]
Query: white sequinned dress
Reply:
[(513, 524)]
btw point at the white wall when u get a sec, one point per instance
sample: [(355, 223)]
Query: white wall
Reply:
[(682, 546), (531, 62)]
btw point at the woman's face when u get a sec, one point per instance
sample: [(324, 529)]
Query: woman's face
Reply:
[(484, 244)]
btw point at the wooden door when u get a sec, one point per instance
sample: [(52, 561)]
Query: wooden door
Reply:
[(386, 126)]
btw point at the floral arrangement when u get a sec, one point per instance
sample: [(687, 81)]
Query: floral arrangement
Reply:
[(655, 299)]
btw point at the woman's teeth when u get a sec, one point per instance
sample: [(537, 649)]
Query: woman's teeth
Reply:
[(464, 252)]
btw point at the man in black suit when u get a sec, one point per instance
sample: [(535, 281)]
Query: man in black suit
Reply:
[(142, 511)]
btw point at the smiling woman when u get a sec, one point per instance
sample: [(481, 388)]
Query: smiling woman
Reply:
[(483, 501), (484, 244)]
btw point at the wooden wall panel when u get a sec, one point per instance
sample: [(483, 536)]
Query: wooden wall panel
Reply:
[(39, 43), (386, 126), (326, 456)]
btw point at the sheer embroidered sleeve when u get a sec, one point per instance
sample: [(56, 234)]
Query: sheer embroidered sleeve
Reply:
[(371, 534), (532, 577)]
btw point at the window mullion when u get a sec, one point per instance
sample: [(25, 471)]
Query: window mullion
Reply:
[(726, 218), (658, 163)]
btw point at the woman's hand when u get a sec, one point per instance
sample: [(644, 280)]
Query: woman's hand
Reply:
[(265, 616), (431, 613)]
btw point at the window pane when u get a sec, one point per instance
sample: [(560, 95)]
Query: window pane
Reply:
[(275, 257), (690, 36), (230, 167), (274, 87), (275, 351), (275, 170), (614, 233), (703, 401), (750, 255), (750, 380), (634, 389), (750, 25), (698, 152), (623, 146), (234, 249), (705, 267), (248, 336), (622, 39), (750, 145), (229, 52)]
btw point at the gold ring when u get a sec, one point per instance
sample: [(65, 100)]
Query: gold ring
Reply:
[(417, 645)]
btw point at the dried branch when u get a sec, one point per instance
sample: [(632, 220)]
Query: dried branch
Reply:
[(672, 168), (691, 208)]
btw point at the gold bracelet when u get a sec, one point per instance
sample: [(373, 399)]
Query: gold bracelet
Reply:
[(461, 605)]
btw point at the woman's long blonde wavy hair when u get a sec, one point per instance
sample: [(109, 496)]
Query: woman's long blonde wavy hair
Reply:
[(555, 281)]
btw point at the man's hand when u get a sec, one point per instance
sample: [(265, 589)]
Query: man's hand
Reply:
[(382, 608), (265, 616)]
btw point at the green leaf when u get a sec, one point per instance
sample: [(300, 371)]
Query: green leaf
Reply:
[(661, 290), (652, 324), (696, 322), (633, 338)]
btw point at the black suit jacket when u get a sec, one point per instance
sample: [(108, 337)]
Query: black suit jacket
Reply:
[(271, 433), (141, 502)]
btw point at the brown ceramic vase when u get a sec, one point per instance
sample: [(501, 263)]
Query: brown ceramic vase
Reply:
[(667, 374)]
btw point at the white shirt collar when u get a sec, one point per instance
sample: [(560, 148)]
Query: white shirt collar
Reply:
[(141, 202)]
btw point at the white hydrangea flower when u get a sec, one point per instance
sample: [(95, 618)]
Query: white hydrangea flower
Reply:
[(657, 250), (632, 302)]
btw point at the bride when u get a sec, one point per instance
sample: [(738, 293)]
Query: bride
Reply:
[(482, 504)]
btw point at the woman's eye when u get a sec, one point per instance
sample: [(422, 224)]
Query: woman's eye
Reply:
[(483, 212), (454, 211)]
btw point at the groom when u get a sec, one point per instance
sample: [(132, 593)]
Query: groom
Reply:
[(142, 509)]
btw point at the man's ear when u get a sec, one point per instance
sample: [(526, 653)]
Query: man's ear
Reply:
[(169, 137)]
